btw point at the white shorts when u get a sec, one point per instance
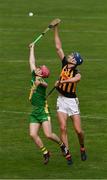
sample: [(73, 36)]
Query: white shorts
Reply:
[(69, 106)]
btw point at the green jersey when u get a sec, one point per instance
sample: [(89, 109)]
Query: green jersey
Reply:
[(37, 95)]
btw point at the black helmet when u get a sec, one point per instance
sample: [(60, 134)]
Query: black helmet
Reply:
[(78, 58)]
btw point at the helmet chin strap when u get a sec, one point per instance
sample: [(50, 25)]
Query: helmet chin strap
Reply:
[(72, 63), (38, 74)]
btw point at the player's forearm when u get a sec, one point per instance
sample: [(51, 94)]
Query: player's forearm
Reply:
[(58, 43), (44, 84), (32, 58), (72, 80)]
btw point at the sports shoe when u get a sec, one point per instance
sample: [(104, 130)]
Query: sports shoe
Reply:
[(63, 149), (46, 157), (69, 158), (83, 154)]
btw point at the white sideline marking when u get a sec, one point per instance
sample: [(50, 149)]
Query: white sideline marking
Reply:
[(56, 16), (70, 18), (48, 60), (38, 30), (14, 112), (83, 116), (11, 61)]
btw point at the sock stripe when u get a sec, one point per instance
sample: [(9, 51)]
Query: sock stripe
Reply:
[(44, 150)]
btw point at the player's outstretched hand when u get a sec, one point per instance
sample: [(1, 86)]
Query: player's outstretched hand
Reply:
[(54, 23), (31, 45), (57, 83)]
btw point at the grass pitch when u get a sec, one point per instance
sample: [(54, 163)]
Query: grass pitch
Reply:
[(83, 29)]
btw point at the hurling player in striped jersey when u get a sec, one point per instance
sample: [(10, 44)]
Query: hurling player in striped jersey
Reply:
[(67, 101)]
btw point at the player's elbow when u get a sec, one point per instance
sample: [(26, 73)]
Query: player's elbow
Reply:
[(44, 84), (58, 46), (78, 77), (59, 52)]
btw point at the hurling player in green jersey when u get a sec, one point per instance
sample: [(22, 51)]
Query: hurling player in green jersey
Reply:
[(39, 116)]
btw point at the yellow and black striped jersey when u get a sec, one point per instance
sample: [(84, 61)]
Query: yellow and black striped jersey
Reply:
[(67, 89)]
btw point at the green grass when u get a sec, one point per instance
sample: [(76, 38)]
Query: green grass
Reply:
[(83, 29)]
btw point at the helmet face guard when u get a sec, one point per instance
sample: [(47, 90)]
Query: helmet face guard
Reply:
[(78, 58)]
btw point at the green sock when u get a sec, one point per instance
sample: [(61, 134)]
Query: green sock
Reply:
[(61, 143)]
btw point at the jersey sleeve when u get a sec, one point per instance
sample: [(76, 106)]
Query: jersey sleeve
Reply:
[(64, 61), (42, 79), (77, 71), (33, 76)]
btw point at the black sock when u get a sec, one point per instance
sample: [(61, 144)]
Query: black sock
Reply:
[(82, 145)]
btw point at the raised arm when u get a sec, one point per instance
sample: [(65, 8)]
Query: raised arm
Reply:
[(58, 43), (32, 57), (75, 79)]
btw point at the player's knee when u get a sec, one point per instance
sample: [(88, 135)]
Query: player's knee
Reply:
[(49, 136), (63, 128), (32, 135), (57, 47)]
